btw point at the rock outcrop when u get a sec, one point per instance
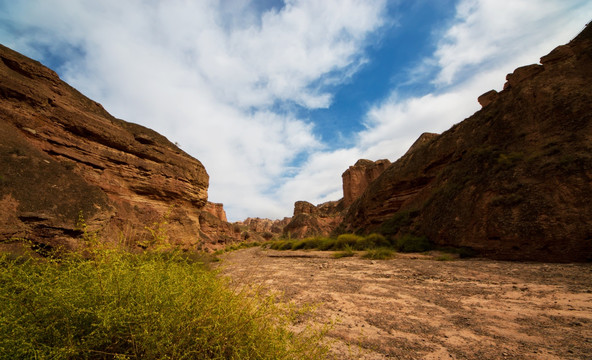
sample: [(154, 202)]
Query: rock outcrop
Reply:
[(264, 228), (311, 220), (216, 209), (323, 219), (357, 178), (513, 181), (62, 156)]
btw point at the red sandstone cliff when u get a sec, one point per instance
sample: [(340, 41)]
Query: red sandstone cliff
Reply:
[(62, 154), (323, 219), (513, 181), (357, 178)]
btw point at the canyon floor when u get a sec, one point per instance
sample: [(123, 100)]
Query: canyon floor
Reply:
[(414, 307)]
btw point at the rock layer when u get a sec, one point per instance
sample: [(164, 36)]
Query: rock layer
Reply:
[(63, 155), (513, 181)]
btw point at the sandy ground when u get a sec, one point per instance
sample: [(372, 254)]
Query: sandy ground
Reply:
[(413, 307)]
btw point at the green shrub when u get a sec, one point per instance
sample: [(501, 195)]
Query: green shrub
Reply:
[(412, 243), (379, 254), (377, 241), (445, 257), (281, 245), (344, 240), (398, 221), (347, 252), (286, 245), (326, 244), (144, 306), (299, 244)]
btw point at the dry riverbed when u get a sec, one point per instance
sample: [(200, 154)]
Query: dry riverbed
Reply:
[(413, 307)]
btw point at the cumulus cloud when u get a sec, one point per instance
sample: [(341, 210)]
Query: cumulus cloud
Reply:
[(218, 76), (209, 75)]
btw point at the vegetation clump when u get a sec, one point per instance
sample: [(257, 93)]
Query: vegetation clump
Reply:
[(377, 246), (151, 305), (379, 254)]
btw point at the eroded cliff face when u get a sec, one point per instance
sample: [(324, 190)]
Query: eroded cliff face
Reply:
[(324, 219), (356, 179), (513, 181), (314, 220), (63, 155)]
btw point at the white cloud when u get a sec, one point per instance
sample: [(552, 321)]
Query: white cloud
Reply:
[(487, 40), (207, 74), (491, 32)]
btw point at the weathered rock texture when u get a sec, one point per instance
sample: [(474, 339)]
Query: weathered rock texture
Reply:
[(357, 178), (62, 154), (265, 228), (216, 209), (323, 219), (311, 220), (513, 181)]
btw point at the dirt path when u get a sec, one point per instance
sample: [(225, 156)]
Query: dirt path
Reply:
[(413, 307)]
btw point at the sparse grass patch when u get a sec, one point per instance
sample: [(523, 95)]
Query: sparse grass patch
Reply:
[(445, 257), (379, 254), (346, 252), (237, 246)]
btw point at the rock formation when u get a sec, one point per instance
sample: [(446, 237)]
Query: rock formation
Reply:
[(264, 227), (63, 157), (217, 210), (311, 220), (359, 176), (323, 219), (513, 181)]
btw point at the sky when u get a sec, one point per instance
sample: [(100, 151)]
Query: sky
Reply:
[(278, 98)]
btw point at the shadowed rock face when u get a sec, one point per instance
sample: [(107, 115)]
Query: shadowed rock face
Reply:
[(513, 181), (62, 153)]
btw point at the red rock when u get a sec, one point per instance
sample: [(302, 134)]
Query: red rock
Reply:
[(357, 177), (216, 209), (62, 154), (487, 98), (513, 181)]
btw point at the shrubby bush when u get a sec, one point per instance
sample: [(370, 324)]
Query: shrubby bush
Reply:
[(412, 243), (118, 305)]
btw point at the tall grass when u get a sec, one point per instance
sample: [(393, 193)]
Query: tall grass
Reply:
[(119, 305)]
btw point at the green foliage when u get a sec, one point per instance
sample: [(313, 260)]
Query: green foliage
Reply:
[(159, 234), (237, 246), (379, 254), (377, 241), (347, 252), (412, 243), (445, 257), (349, 240), (90, 237), (397, 222), (119, 305)]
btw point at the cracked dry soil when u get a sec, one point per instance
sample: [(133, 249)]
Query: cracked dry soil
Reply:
[(413, 307)]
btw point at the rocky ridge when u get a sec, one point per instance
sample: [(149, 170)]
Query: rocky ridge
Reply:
[(513, 181)]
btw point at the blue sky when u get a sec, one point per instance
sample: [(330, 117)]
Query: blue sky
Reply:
[(278, 98)]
